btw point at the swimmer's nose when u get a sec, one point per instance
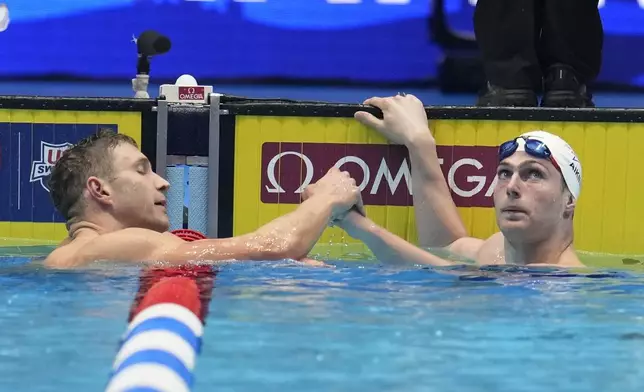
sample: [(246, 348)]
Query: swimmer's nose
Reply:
[(162, 184), (512, 189)]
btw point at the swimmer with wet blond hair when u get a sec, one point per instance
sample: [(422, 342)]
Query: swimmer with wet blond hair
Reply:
[(115, 209)]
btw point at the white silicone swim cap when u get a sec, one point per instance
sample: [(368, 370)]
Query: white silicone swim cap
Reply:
[(563, 154)]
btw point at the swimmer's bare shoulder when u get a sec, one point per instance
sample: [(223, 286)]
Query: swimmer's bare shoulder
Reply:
[(491, 251), (568, 259), (479, 250), (64, 242), (127, 245)]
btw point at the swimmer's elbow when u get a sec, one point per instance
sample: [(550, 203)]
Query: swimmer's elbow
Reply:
[(286, 249), (274, 247)]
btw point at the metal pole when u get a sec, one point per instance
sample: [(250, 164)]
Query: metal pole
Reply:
[(213, 166), (162, 138)]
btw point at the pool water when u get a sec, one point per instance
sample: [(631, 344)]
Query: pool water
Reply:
[(281, 326)]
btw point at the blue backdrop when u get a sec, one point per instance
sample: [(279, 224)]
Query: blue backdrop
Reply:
[(367, 40)]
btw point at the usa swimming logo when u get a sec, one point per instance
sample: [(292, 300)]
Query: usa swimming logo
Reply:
[(50, 153)]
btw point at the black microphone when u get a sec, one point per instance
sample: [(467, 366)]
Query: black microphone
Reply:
[(148, 44)]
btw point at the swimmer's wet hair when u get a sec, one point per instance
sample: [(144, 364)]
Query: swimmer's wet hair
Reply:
[(89, 157)]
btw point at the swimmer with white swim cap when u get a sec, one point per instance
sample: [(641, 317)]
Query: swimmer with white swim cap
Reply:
[(538, 184)]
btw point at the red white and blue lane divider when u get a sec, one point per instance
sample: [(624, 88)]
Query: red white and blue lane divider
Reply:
[(161, 344)]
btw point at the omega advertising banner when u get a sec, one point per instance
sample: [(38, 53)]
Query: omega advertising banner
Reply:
[(277, 157)]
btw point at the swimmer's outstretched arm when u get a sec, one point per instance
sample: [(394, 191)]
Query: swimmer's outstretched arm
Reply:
[(386, 246), (291, 236)]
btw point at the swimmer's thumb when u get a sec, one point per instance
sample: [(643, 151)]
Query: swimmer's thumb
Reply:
[(368, 119)]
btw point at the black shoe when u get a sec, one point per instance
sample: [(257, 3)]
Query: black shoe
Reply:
[(563, 89), (501, 97)]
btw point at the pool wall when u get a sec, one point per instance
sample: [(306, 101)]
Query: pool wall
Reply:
[(269, 150)]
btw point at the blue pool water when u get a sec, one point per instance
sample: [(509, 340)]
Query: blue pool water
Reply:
[(280, 326)]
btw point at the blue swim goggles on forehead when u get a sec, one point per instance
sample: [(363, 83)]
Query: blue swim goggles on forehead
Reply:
[(534, 147)]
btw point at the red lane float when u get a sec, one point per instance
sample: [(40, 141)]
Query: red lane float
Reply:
[(159, 349)]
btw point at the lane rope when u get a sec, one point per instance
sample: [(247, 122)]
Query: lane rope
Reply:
[(160, 346)]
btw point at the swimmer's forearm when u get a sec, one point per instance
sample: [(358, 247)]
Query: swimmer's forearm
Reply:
[(437, 218), (386, 246), (293, 235)]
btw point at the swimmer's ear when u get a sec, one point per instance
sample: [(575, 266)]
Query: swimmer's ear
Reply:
[(97, 190), (571, 203)]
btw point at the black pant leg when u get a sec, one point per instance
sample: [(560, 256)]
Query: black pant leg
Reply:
[(572, 34), (507, 34)]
